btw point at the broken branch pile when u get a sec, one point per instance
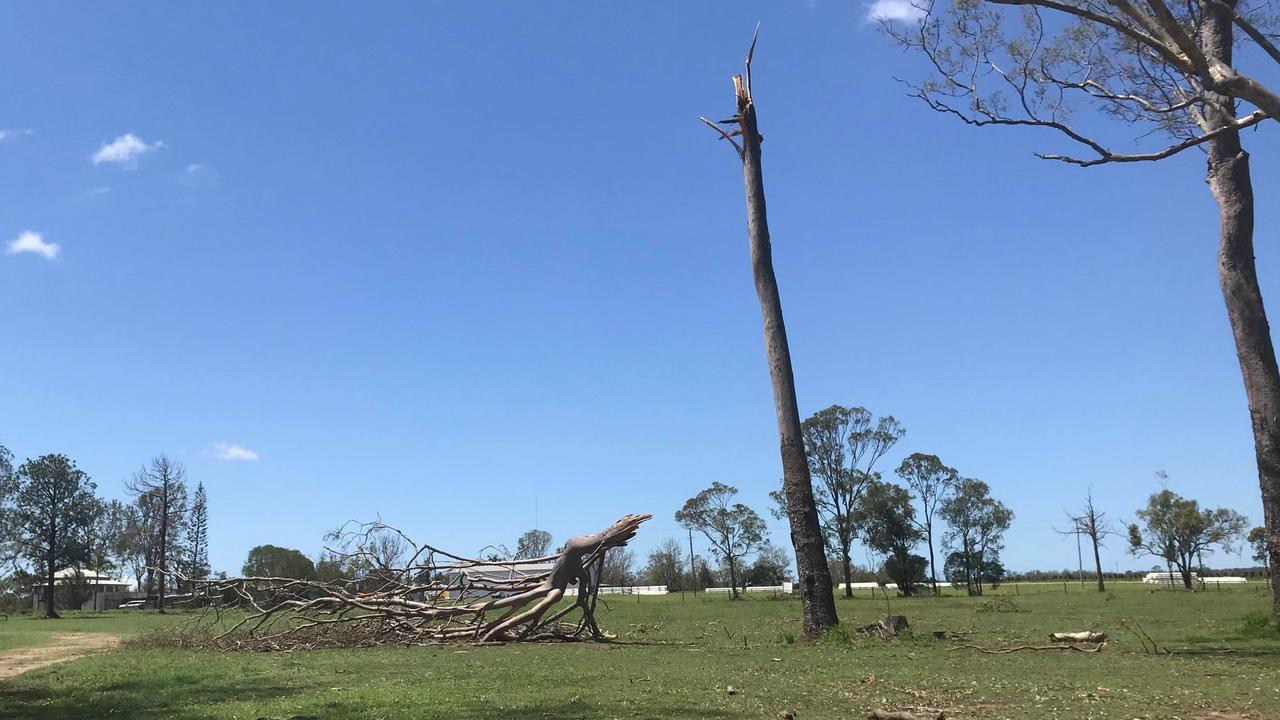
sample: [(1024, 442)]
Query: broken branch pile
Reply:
[(432, 597)]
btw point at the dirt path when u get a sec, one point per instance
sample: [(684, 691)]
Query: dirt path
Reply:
[(65, 647)]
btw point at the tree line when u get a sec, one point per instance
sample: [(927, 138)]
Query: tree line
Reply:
[(51, 519)]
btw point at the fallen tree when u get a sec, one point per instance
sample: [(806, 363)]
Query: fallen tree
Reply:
[(433, 596)]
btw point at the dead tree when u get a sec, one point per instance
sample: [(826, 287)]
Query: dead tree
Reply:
[(161, 493), (1170, 68), (806, 535), (1094, 525), (434, 596)]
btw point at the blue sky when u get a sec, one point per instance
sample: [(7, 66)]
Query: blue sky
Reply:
[(441, 263)]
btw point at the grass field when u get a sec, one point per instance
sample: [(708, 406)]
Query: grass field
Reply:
[(676, 657)]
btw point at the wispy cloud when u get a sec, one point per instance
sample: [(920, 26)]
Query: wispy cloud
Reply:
[(124, 151), (197, 174), (908, 11), (93, 192), (233, 452), (7, 135), (32, 242)]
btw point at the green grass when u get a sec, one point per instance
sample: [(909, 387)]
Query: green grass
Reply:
[(675, 658)]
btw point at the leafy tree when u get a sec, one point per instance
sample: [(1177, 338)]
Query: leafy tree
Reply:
[(273, 561), (888, 527), (1176, 529), (196, 565), (1164, 70), (160, 490), (734, 530), (666, 565), (53, 507), (842, 445), (977, 526), (9, 548), (771, 567), (1258, 542), (533, 544), (931, 482)]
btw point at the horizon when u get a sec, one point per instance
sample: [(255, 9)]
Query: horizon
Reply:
[(472, 270)]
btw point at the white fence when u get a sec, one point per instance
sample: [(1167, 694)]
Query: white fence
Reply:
[(785, 588), (629, 590)]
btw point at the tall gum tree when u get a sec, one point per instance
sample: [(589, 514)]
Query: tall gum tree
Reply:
[(1162, 70), (814, 577)]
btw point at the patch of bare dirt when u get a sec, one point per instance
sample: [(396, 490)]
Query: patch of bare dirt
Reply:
[(64, 647)]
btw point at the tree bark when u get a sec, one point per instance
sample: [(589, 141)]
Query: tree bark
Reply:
[(933, 564), (816, 595), (1097, 560), (848, 581), (1232, 187), (49, 610)]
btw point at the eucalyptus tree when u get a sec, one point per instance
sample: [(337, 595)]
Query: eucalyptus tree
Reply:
[(734, 530), (814, 577), (1177, 529), (842, 445), (976, 526), (932, 483), (1161, 70), (533, 544), (887, 522)]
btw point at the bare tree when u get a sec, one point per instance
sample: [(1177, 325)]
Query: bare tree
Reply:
[(932, 483), (1094, 525), (817, 600), (1168, 69), (161, 492)]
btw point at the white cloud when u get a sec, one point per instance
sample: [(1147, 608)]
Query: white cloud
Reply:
[(908, 11), (97, 191), (7, 135), (232, 452), (31, 242), (124, 151), (197, 174)]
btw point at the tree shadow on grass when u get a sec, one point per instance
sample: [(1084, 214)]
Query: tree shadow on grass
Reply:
[(135, 698)]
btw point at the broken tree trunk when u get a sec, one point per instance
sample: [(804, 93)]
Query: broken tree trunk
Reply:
[(814, 576), (433, 597), (1088, 636)]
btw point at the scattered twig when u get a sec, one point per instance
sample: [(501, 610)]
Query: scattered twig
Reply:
[(1019, 648)]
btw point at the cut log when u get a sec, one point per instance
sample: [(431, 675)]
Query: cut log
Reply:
[(1087, 636), (903, 715)]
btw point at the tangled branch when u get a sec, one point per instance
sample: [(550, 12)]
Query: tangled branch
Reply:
[(433, 596)]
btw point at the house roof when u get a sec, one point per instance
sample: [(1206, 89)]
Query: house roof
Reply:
[(89, 578)]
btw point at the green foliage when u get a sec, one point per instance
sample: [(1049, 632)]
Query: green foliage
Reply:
[(1257, 540), (272, 561), (772, 567), (734, 530), (1176, 529), (1259, 624), (977, 523), (533, 544), (54, 507), (674, 658)]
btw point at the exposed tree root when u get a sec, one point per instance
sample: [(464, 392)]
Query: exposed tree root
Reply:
[(433, 597)]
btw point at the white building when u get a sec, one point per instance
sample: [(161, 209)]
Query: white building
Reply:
[(104, 591)]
